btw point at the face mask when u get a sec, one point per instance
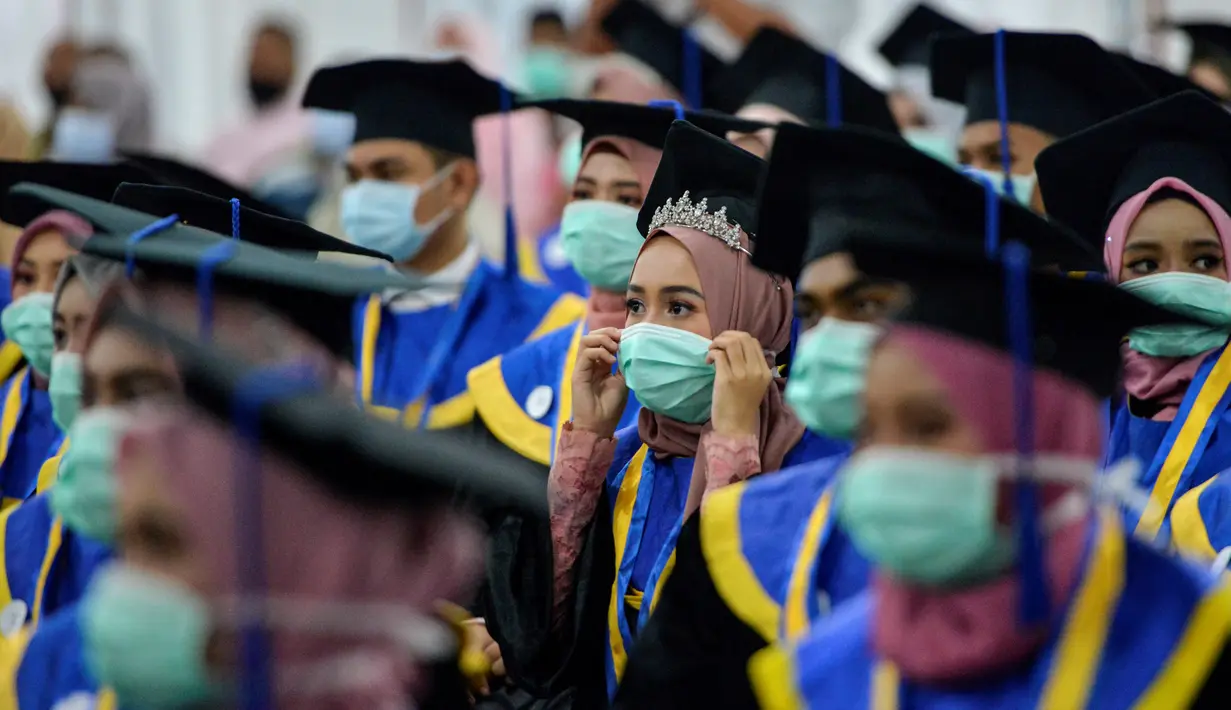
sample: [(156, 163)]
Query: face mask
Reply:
[(64, 388), (264, 93), (1194, 295), (827, 378), (548, 72), (84, 493), (1021, 185), (145, 637), (931, 142), (665, 367), (332, 132), (381, 215), (602, 241), (570, 160), (27, 322), (82, 136)]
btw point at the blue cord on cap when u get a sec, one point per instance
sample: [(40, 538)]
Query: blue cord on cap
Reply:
[(1035, 604), (130, 248), (210, 259), (1002, 113), (256, 390), (833, 92), (235, 218), (991, 212), (671, 104), (691, 70), (512, 266)]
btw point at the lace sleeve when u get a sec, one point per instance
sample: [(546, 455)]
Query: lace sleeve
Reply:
[(729, 460)]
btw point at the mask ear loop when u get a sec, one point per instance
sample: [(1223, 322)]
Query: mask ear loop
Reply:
[(833, 92), (671, 104), (1035, 604), (210, 259), (130, 247), (235, 217), (512, 264), (691, 70), (1002, 113), (258, 388)]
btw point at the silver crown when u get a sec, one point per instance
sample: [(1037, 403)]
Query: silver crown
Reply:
[(683, 213)]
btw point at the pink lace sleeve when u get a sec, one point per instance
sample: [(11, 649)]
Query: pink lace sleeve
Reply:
[(729, 460), (573, 489)]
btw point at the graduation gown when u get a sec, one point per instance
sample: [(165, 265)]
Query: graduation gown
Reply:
[(525, 396), (1179, 455), (1142, 630), (407, 359), (27, 438), (762, 562), (544, 261)]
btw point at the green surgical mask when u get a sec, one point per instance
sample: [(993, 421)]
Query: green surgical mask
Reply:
[(548, 73), (27, 322), (601, 240), (145, 637), (666, 369), (828, 372), (1194, 295), (570, 160), (923, 516), (64, 388), (933, 143), (1021, 185), (84, 493)]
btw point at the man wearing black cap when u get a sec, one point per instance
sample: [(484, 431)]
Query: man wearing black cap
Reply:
[(413, 175)]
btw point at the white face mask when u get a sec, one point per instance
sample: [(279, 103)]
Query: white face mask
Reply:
[(83, 136)]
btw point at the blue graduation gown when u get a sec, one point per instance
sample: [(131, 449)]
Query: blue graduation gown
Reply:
[(1179, 455), (397, 351), (52, 670), (647, 497), (27, 435), (525, 396), (543, 261), (1141, 630)]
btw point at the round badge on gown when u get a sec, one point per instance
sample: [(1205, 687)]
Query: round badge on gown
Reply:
[(538, 404)]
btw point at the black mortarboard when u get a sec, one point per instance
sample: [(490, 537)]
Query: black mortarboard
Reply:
[(708, 168), (1056, 83), (90, 179), (214, 214), (317, 296), (784, 71), (643, 34), (173, 172), (1087, 176), (907, 44), (354, 455), (433, 103), (1210, 39), (1077, 324), (826, 188), (1162, 82), (644, 124)]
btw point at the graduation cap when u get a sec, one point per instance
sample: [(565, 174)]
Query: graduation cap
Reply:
[(354, 455), (828, 188), (169, 171), (643, 34), (1056, 83), (907, 44), (433, 103), (708, 168), (1162, 82), (784, 71), (215, 214), (1076, 325), (644, 124), (1086, 177), (94, 180), (317, 296), (1210, 39)]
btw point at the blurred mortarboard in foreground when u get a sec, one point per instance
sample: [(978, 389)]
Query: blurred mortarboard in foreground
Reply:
[(1163, 82), (708, 168), (170, 171), (214, 214), (643, 34), (784, 71), (826, 188), (354, 455), (644, 124), (1210, 39), (95, 180), (1086, 177), (907, 43), (1055, 83), (433, 103), (317, 296), (1077, 324)]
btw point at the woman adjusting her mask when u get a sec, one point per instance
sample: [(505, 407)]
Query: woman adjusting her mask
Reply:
[(1157, 183), (702, 332)]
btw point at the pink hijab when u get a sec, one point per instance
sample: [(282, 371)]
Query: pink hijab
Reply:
[(317, 547), (618, 78), (957, 634), (738, 296), (70, 225), (606, 309), (1160, 380)]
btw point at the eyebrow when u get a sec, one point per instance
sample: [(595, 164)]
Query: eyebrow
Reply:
[(1141, 244), (1204, 242), (583, 178), (627, 183), (634, 288)]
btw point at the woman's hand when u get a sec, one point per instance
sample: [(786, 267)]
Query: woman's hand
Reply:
[(599, 395), (479, 640), (739, 384)]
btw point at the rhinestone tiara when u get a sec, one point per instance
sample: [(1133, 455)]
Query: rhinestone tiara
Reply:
[(683, 213)]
